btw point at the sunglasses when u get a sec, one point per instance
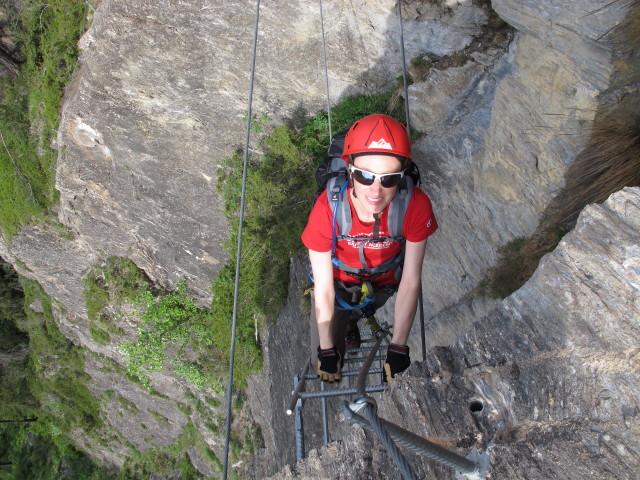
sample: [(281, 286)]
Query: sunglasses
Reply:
[(387, 180)]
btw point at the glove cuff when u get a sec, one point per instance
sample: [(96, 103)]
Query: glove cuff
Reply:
[(327, 351), (401, 349)]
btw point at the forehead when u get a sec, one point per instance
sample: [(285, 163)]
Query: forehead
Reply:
[(378, 163)]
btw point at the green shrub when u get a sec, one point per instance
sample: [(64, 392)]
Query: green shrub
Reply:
[(169, 325), (47, 34), (35, 454), (21, 192), (115, 282), (51, 386)]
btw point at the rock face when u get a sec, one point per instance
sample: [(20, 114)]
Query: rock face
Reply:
[(509, 128), (159, 100), (545, 386)]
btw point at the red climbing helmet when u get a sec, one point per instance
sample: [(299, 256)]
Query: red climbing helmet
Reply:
[(379, 134)]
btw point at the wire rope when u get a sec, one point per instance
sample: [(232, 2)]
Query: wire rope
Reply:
[(326, 73), (408, 122), (239, 247), (404, 68), (386, 440)]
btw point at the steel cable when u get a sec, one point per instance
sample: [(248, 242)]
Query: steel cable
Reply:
[(361, 380), (408, 120), (326, 73), (385, 439), (239, 247), (417, 444)]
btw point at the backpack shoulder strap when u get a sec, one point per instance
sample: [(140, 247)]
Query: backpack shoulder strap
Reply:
[(398, 207), (341, 211), (337, 172)]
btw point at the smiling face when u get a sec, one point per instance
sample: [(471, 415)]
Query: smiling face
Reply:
[(374, 198)]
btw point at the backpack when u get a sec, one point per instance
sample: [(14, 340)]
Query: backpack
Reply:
[(331, 177)]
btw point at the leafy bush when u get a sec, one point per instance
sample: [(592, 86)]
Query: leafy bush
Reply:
[(56, 372), (168, 325), (48, 387), (34, 454)]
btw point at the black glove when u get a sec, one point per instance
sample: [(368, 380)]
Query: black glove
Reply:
[(397, 361), (329, 364)]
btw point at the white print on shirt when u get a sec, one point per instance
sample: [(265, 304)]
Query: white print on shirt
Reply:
[(371, 245)]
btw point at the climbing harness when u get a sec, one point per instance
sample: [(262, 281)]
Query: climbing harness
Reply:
[(362, 298)]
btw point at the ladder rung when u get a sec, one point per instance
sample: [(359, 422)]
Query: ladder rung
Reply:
[(349, 373), (364, 349), (336, 392), (361, 359)]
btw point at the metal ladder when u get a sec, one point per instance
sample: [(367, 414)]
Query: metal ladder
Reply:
[(362, 411), (313, 389)]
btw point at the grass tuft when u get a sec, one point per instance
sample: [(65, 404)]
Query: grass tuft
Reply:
[(609, 162)]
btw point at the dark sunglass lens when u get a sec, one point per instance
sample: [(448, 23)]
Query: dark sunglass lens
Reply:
[(365, 178), (388, 181)]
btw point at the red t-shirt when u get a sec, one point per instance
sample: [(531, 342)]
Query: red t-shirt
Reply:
[(419, 223)]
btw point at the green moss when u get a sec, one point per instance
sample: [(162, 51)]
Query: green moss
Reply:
[(214, 402), (114, 282), (517, 261), (161, 419), (107, 395), (170, 462), (127, 405), (185, 408), (420, 68), (100, 336)]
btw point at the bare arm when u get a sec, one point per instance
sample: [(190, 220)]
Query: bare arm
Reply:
[(324, 294), (408, 291)]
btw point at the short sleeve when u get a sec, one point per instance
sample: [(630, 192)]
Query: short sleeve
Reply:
[(317, 234), (420, 221)]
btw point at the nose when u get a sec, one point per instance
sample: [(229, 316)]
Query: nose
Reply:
[(375, 186)]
